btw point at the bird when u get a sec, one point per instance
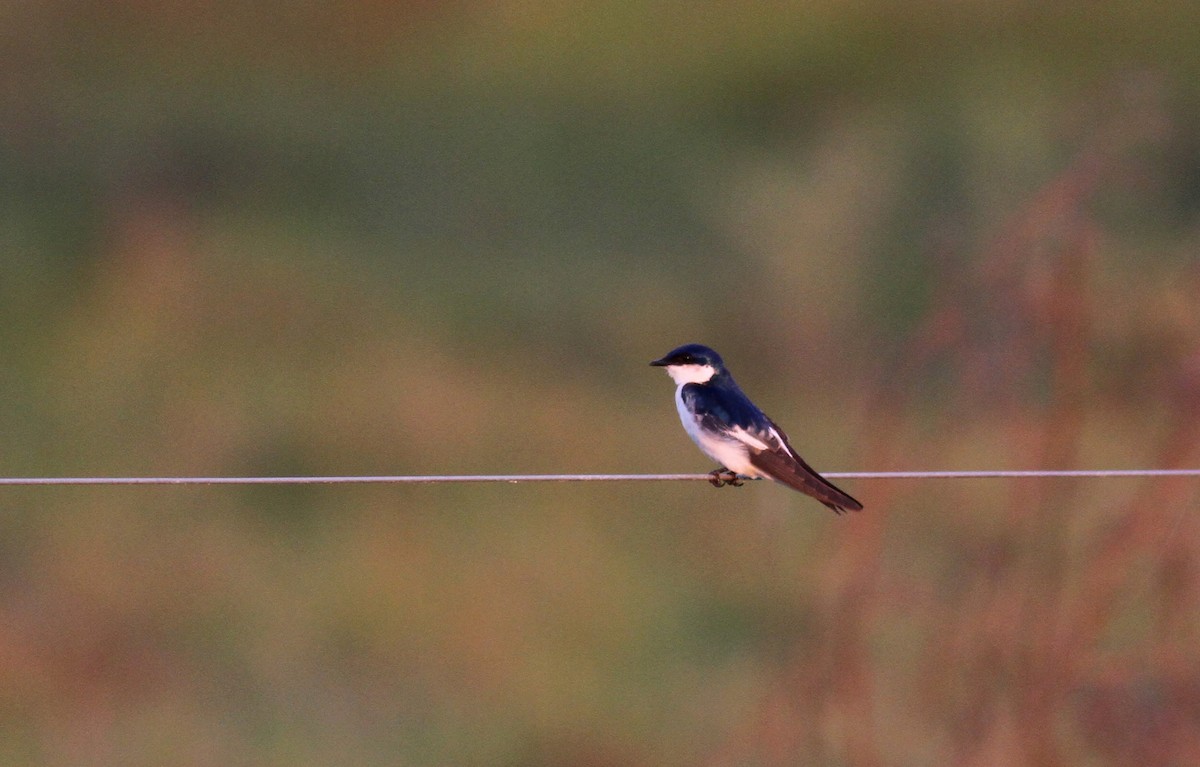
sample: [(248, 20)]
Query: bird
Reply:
[(731, 430)]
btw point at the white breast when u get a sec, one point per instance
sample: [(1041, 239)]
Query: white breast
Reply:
[(730, 453)]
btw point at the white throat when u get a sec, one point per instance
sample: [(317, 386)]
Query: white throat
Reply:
[(686, 374)]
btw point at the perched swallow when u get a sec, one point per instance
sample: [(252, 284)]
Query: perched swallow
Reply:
[(731, 430)]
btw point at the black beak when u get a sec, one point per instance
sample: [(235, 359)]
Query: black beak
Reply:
[(660, 363)]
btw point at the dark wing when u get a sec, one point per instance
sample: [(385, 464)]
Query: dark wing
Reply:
[(782, 463), (722, 407)]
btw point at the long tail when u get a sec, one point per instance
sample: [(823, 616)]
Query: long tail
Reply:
[(792, 471)]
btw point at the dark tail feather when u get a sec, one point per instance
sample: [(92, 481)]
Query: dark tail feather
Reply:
[(796, 474)]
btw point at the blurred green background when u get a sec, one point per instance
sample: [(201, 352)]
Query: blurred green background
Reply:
[(362, 237)]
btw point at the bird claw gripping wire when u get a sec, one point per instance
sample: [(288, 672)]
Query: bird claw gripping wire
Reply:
[(723, 476)]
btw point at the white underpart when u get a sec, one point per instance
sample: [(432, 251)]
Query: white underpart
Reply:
[(732, 452)]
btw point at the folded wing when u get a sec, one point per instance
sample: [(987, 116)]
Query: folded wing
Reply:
[(778, 460), (769, 451)]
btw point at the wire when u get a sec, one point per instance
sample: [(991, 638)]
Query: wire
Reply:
[(409, 479), (520, 478)]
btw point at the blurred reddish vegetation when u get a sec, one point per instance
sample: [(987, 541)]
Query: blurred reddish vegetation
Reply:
[(1073, 630), (414, 238)]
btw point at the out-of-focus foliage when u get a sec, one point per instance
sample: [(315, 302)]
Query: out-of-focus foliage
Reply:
[(366, 237)]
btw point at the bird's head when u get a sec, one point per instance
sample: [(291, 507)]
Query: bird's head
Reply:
[(691, 363)]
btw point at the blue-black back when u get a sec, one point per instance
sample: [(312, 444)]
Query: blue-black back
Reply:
[(721, 403)]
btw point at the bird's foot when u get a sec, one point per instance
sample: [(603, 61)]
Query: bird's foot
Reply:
[(723, 476)]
